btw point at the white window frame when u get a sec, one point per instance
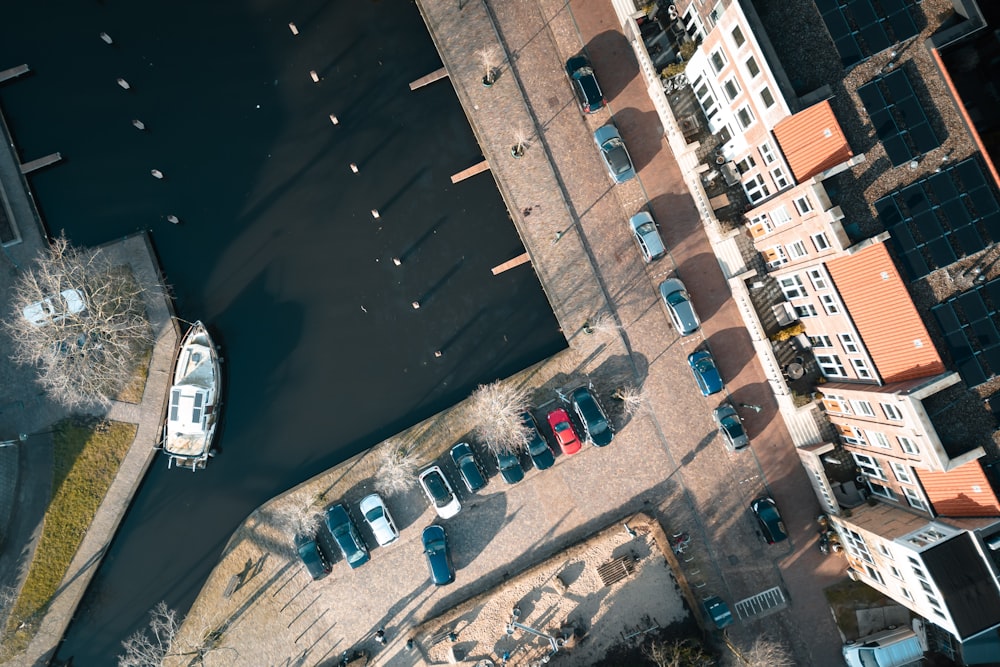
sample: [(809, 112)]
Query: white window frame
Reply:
[(862, 407), (767, 153), (744, 117), (806, 310), (792, 287), (861, 368), (739, 39), (877, 439), (881, 490), (831, 366), (803, 205), (902, 472), (892, 413), (820, 341), (763, 100), (749, 69), (764, 220), (843, 407), (914, 498), (830, 304), (780, 216), (736, 88), (756, 189), (745, 164), (818, 280), (719, 54), (797, 249), (693, 24), (820, 242), (908, 445), (848, 343), (709, 105), (781, 181)]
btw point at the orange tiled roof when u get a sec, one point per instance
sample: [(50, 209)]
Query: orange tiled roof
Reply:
[(812, 141), (883, 312), (963, 491)]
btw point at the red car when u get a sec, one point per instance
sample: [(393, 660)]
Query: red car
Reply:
[(563, 429)]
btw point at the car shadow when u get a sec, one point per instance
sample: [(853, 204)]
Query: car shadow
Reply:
[(642, 133), (614, 62)]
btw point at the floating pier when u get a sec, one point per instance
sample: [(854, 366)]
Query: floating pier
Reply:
[(430, 78), (29, 167), (471, 171), (23, 69), (510, 264)]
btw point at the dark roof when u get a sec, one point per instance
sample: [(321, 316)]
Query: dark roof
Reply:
[(966, 584)]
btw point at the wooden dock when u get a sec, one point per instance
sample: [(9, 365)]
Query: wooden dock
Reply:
[(508, 265), (13, 72), (471, 171), (430, 78), (29, 167)]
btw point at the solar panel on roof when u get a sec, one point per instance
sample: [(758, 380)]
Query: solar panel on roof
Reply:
[(825, 6), (992, 358), (892, 6), (910, 111), (986, 333), (956, 213), (915, 264), (885, 126), (877, 26), (902, 24), (983, 201), (923, 137), (862, 12), (837, 25), (871, 96), (991, 224), (971, 372), (898, 85), (914, 198), (850, 52), (969, 239), (903, 238), (972, 305), (897, 150), (928, 226), (942, 254), (946, 318), (888, 212), (875, 38), (969, 174), (943, 187), (992, 290)]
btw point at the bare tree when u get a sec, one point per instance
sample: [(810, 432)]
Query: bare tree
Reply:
[(767, 652), (297, 514), (149, 648), (397, 469), (520, 141), (602, 326), (632, 399), (488, 57), (496, 409), (81, 321), (678, 653)]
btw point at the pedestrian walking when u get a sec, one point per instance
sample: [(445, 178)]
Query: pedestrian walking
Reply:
[(380, 637)]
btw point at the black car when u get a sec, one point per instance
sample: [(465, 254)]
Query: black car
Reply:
[(509, 464), (468, 467), (771, 525), (584, 83), (346, 535), (538, 448), (311, 553), (595, 422), (438, 557)]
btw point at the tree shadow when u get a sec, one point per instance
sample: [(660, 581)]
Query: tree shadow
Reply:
[(642, 133), (614, 61)]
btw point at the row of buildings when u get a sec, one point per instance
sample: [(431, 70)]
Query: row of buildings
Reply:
[(858, 223)]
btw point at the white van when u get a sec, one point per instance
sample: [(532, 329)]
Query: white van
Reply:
[(890, 648)]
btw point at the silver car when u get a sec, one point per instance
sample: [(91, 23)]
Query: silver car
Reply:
[(377, 517), (679, 307), (647, 236), (731, 427)]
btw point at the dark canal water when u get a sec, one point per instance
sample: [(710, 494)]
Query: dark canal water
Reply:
[(277, 249)]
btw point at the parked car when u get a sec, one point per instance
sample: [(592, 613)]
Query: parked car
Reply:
[(731, 427), (377, 517), (346, 535), (438, 555), (678, 303), (616, 157), (895, 647), (468, 467), (439, 492), (705, 372), (646, 234), (562, 428), (312, 556), (771, 525), (595, 421), (55, 308), (718, 611), (538, 448), (584, 83), (509, 465)]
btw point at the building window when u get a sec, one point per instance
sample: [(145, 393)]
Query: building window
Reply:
[(861, 368), (891, 412), (908, 445), (878, 439), (847, 341), (792, 287), (806, 310), (738, 38), (705, 98), (837, 403), (818, 280), (762, 224), (869, 466), (780, 216), (901, 472), (780, 180), (752, 67), (880, 490), (906, 593), (718, 60), (693, 25), (863, 408), (797, 249), (874, 574), (913, 497), (766, 97), (830, 363), (775, 256), (767, 153), (803, 205), (830, 304), (884, 550), (756, 189), (746, 164), (744, 116), (731, 88), (856, 545), (822, 340), (820, 241), (724, 134)]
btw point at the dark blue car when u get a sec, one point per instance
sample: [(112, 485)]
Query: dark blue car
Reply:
[(706, 373), (538, 448), (346, 535), (312, 556), (438, 557)]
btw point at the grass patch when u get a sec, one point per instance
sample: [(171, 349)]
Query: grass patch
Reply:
[(846, 598), (132, 392), (87, 457)]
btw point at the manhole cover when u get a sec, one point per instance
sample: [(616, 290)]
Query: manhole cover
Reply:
[(733, 560)]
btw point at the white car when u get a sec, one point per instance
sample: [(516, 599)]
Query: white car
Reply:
[(377, 517), (439, 492), (55, 308)]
